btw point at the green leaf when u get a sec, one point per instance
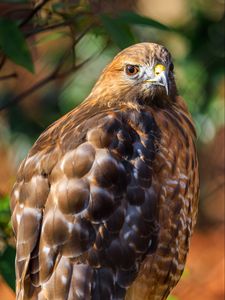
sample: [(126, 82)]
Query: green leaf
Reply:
[(13, 44), (4, 203), (133, 18), (4, 212), (51, 37), (186, 273), (119, 32), (7, 266), (171, 297), (58, 6)]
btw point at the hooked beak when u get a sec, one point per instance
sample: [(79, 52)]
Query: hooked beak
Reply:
[(161, 79)]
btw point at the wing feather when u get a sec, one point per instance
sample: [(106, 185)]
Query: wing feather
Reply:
[(84, 208)]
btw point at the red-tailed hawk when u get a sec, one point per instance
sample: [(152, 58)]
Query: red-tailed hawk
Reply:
[(106, 200)]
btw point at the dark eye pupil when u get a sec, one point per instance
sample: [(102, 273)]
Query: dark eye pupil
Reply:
[(131, 69)]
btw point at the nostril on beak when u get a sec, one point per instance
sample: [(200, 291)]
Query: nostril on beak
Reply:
[(159, 68)]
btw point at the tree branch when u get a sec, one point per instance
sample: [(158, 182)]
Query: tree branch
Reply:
[(2, 61), (47, 28), (55, 74), (12, 75), (33, 12)]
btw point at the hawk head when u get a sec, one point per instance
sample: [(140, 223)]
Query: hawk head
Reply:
[(140, 73)]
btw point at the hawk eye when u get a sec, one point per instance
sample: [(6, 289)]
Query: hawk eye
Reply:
[(132, 70)]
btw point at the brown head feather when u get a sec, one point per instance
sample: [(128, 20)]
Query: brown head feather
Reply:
[(115, 87)]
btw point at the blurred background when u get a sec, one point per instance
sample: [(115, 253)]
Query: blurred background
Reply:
[(52, 52)]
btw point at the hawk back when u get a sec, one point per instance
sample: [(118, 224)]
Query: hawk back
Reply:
[(85, 206)]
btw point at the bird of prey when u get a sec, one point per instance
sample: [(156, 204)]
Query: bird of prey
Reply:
[(105, 201)]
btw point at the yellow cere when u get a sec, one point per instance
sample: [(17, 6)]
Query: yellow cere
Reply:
[(159, 68)]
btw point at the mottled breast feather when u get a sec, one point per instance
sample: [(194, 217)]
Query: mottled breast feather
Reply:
[(175, 173), (86, 207)]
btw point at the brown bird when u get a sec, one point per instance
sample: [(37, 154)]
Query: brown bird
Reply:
[(106, 200)]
